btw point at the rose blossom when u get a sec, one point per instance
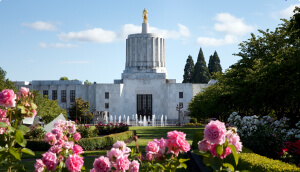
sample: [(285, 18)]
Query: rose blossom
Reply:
[(60, 142), (60, 123), (50, 160), (57, 132), (204, 145), (3, 113), (68, 145), (102, 164), (34, 113), (39, 166), (50, 138), (215, 132), (123, 163), (149, 156), (23, 92), (74, 163), (113, 154), (77, 149), (152, 147), (235, 140), (71, 127), (7, 98), (175, 134), (134, 166), (55, 149), (76, 136), (122, 146), (177, 142)]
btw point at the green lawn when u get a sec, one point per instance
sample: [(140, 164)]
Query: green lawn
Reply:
[(145, 134)]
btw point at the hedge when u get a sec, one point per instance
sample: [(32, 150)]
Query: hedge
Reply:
[(86, 143), (252, 161)]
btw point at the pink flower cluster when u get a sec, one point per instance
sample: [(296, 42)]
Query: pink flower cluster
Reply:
[(176, 142), (117, 157), (215, 133), (8, 98), (155, 149), (3, 119), (63, 149)]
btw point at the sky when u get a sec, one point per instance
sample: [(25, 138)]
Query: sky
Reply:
[(86, 40)]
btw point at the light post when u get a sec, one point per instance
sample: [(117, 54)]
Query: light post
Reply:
[(178, 107)]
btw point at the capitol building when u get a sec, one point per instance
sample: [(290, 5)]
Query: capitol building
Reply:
[(144, 88)]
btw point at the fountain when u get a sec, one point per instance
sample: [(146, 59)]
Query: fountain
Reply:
[(115, 119), (166, 120), (105, 118), (153, 120), (124, 119), (120, 119), (128, 122), (162, 120), (111, 120), (145, 121), (136, 119)]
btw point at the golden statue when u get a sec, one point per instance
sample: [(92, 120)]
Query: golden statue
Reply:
[(145, 15)]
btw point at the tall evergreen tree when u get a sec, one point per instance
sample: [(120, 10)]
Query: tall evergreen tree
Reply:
[(188, 70), (201, 73), (214, 64)]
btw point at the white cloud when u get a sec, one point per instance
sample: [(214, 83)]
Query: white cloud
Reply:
[(182, 32), (57, 45), (92, 35), (75, 62), (232, 28), (40, 25), (288, 12)]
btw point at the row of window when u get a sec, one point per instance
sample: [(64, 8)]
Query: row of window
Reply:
[(63, 95)]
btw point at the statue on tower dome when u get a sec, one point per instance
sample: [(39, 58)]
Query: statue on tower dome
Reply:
[(145, 15)]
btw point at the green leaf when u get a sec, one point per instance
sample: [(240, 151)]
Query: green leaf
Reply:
[(215, 163), (2, 149), (22, 108), (206, 161), (23, 129), (219, 149), (28, 151), (183, 160), (229, 166), (3, 124), (182, 165), (234, 153), (14, 153), (83, 168), (20, 139)]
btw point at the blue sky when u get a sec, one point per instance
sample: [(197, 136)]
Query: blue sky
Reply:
[(85, 40)]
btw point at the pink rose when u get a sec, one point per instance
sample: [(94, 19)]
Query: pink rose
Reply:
[(55, 149), (3, 113), (177, 142), (235, 140), (204, 145), (71, 127), (58, 133), (60, 123), (50, 160), (65, 138), (123, 163), (39, 166), (68, 145), (60, 142), (76, 136), (7, 98), (74, 163), (183, 145), (34, 113), (23, 92), (102, 164), (122, 146), (149, 156), (152, 147), (77, 149), (134, 166), (50, 138), (215, 132), (113, 154), (175, 134), (225, 153)]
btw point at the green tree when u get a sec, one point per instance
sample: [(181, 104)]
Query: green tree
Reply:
[(47, 109), (214, 64), (188, 70), (64, 78), (5, 83), (201, 73), (88, 82), (80, 108)]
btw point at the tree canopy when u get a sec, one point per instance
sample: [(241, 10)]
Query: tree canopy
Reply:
[(80, 108), (5, 83), (201, 73), (265, 81), (188, 70), (63, 78), (214, 64)]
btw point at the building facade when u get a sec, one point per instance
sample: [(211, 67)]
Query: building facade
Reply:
[(144, 88)]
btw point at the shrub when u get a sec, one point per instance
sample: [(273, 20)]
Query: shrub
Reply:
[(86, 131), (105, 129), (198, 136), (37, 145), (102, 142), (193, 125), (36, 132), (193, 120)]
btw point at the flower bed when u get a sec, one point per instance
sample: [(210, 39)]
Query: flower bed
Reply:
[(105, 129)]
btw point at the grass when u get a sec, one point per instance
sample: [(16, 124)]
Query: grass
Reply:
[(145, 134)]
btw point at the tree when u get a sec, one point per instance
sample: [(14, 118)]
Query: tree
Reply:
[(88, 82), (47, 109), (188, 70), (214, 64), (201, 73), (79, 109), (63, 78), (5, 83)]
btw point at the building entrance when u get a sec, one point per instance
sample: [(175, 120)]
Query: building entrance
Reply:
[(144, 105)]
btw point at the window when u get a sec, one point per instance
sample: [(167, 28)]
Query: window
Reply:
[(72, 95), (63, 96), (180, 95), (106, 105), (45, 92), (54, 94), (106, 95)]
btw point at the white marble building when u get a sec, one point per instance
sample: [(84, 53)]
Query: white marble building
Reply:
[(144, 88)]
